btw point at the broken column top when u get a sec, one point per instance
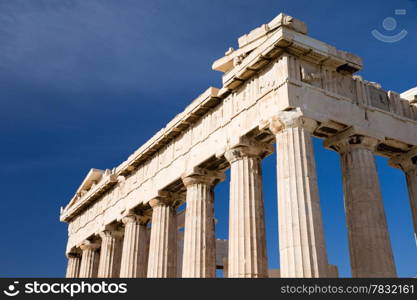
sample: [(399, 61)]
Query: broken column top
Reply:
[(253, 39), (289, 34)]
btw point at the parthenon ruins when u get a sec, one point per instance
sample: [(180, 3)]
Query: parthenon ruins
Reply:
[(280, 86)]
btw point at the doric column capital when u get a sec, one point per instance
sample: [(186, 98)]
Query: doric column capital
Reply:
[(111, 231), (200, 175), (406, 162), (89, 245), (289, 119), (247, 148), (163, 198), (131, 217), (349, 140)]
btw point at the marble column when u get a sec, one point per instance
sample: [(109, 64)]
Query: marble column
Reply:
[(369, 241), (111, 253), (408, 163), (135, 247), (73, 267), (163, 244), (247, 243), (199, 255), (89, 259), (301, 238)]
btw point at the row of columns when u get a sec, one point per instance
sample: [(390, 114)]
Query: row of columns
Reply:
[(301, 237), (122, 254)]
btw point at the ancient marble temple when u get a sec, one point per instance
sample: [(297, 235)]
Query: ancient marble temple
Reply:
[(280, 87)]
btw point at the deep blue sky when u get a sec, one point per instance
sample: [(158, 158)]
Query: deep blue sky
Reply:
[(84, 83)]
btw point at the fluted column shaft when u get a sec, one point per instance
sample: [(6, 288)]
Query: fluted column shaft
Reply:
[(111, 253), (408, 163), (369, 241), (89, 260), (301, 237), (247, 241), (135, 249), (199, 256), (73, 267), (162, 249), (411, 176)]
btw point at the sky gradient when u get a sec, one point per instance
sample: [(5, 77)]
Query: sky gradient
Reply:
[(84, 83)]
